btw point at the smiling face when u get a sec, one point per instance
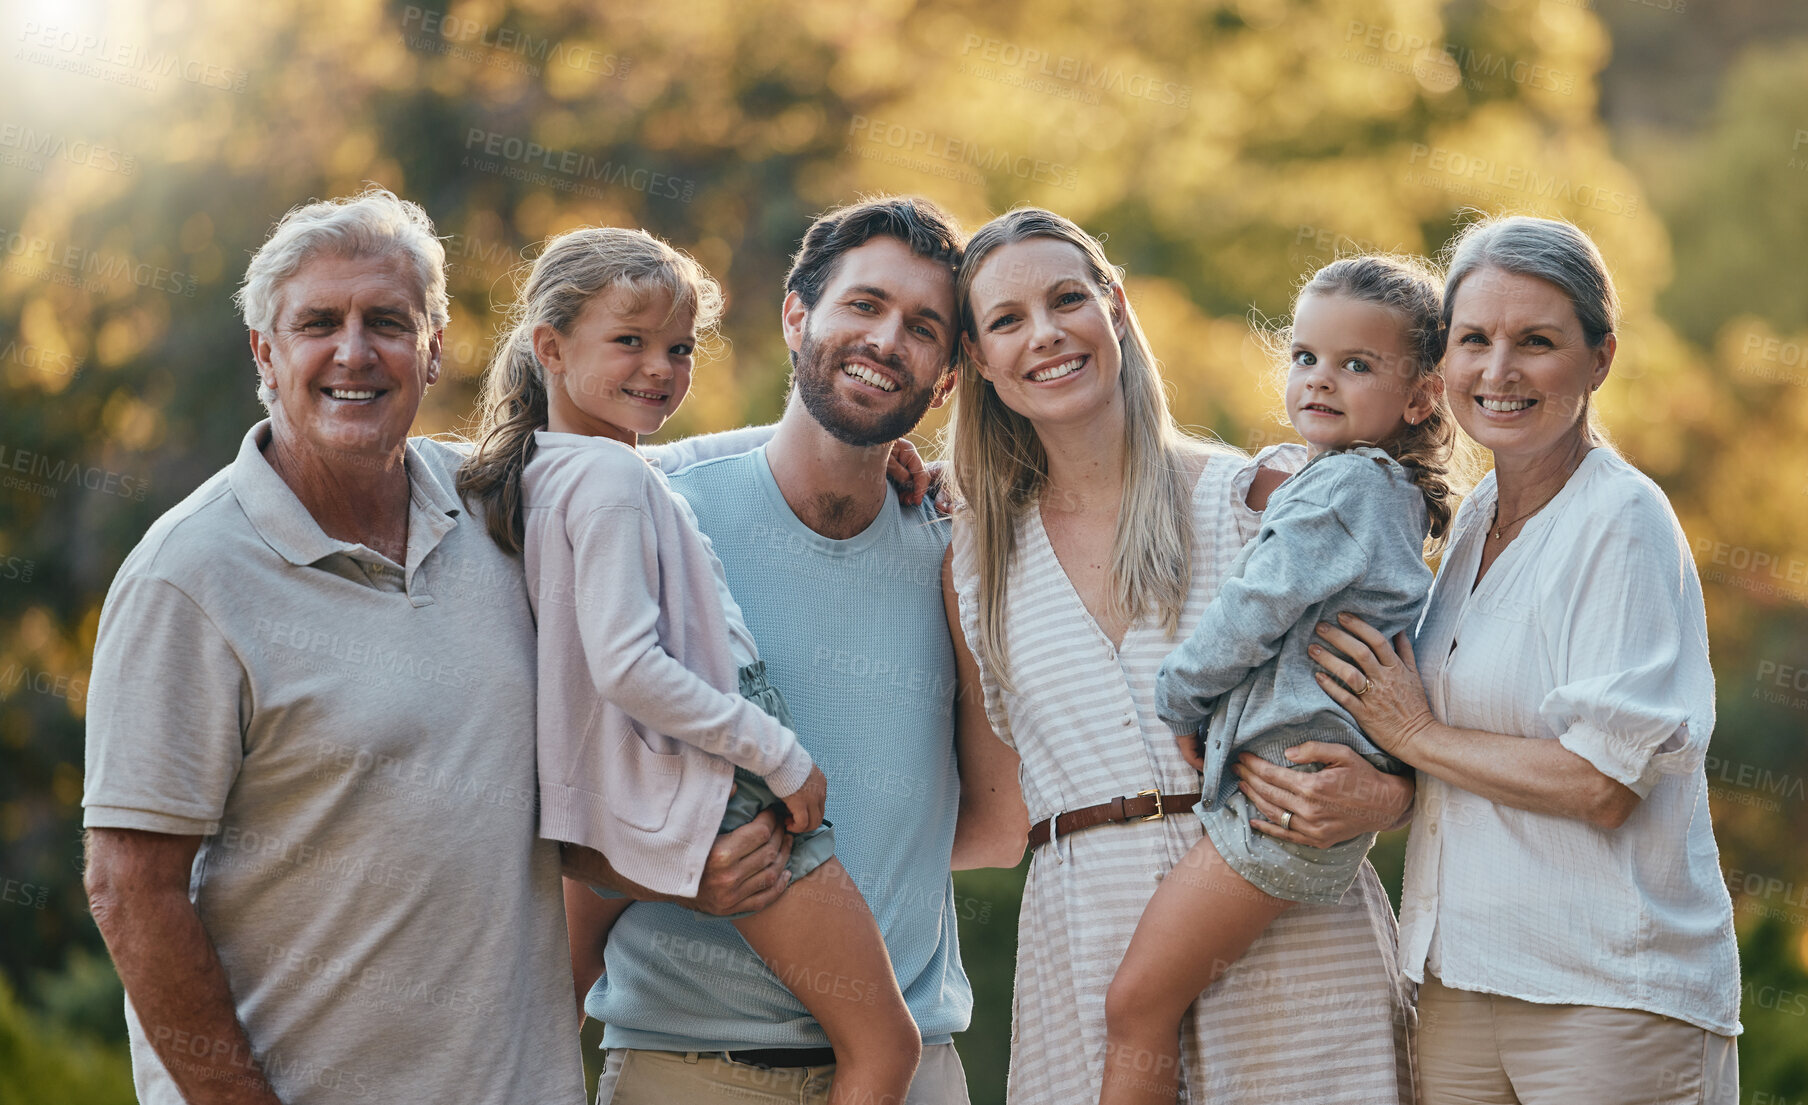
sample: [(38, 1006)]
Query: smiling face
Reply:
[(872, 356), (349, 356), (1045, 334), (1350, 376), (1518, 365), (622, 370)]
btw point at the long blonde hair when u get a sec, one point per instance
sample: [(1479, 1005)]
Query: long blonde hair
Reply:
[(575, 267), (1000, 468)]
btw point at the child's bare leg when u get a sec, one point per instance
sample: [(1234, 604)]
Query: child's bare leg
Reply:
[(588, 919), (822, 942), (1201, 919)]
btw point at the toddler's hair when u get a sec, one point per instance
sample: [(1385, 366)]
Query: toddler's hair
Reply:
[(575, 267), (1413, 290)]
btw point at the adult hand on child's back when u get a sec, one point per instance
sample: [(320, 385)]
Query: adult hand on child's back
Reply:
[(745, 871), (806, 802)]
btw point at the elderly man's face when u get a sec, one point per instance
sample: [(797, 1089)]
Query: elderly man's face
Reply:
[(350, 355)]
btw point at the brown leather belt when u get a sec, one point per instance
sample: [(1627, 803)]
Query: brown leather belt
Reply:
[(1147, 805)]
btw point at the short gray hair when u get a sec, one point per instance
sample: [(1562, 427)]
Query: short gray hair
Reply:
[(1552, 250), (373, 223)]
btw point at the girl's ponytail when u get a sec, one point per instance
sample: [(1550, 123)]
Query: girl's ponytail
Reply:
[(513, 406)]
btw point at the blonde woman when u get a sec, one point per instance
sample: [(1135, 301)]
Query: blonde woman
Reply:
[(1093, 535)]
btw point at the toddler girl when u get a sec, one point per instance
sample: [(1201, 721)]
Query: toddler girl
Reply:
[(1347, 533)]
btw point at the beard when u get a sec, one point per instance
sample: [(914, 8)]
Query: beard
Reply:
[(850, 422)]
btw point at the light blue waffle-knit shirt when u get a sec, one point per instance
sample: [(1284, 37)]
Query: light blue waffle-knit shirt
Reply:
[(853, 633)]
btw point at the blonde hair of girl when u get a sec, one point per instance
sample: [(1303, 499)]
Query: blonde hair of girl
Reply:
[(575, 267), (1000, 468)]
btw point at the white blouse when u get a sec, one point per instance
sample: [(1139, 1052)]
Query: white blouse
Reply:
[(1589, 629)]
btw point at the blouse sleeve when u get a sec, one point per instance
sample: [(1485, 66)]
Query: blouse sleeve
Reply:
[(1635, 694)]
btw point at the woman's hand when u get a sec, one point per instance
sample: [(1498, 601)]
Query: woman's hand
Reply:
[(806, 802), (1345, 798), (1391, 706)]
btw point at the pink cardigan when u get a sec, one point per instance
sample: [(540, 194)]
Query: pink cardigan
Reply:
[(641, 722)]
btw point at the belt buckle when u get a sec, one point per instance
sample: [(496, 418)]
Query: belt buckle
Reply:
[(1159, 812)]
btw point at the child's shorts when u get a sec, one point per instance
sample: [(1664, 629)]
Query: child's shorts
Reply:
[(751, 794), (1281, 868)]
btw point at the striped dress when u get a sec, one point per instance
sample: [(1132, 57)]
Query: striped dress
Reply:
[(1315, 1011)]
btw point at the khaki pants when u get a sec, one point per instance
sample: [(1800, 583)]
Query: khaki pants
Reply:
[(676, 1078), (1484, 1049)]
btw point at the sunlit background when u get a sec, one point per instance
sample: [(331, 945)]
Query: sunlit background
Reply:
[(1223, 149)]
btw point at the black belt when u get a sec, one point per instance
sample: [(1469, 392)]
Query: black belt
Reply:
[(774, 1057)]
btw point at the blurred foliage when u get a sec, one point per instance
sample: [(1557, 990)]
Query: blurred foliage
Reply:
[(43, 1060), (1223, 147)]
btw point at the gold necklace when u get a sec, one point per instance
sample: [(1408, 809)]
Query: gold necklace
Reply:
[(1498, 530)]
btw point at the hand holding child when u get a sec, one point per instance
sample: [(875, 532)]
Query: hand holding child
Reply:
[(806, 803)]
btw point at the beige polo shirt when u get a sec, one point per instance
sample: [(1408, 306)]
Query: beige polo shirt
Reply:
[(353, 739)]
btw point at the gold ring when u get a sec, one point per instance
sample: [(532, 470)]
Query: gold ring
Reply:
[(1286, 819), (1366, 684)]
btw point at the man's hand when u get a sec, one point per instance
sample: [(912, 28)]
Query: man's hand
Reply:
[(137, 885), (806, 802), (745, 871)]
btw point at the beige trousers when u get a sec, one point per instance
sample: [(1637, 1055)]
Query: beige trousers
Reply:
[(676, 1078), (1484, 1049)]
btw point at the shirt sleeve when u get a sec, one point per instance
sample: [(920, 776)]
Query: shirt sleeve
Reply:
[(675, 456), (1634, 695), (618, 594), (165, 725), (1303, 555)]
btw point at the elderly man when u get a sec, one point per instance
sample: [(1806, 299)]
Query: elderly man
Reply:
[(310, 775)]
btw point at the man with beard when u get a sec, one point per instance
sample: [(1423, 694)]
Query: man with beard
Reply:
[(841, 586)]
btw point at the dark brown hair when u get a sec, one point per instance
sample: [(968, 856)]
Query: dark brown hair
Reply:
[(928, 230)]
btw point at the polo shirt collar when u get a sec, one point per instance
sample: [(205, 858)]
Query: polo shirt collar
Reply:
[(285, 524)]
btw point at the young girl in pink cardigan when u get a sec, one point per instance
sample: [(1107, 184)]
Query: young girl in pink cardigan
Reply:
[(657, 728)]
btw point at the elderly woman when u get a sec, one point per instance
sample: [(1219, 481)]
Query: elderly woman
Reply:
[(310, 765), (1563, 907)]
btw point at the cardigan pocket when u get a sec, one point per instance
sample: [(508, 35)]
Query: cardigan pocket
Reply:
[(650, 779)]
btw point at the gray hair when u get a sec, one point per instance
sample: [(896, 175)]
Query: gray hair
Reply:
[(1552, 250), (373, 223)]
